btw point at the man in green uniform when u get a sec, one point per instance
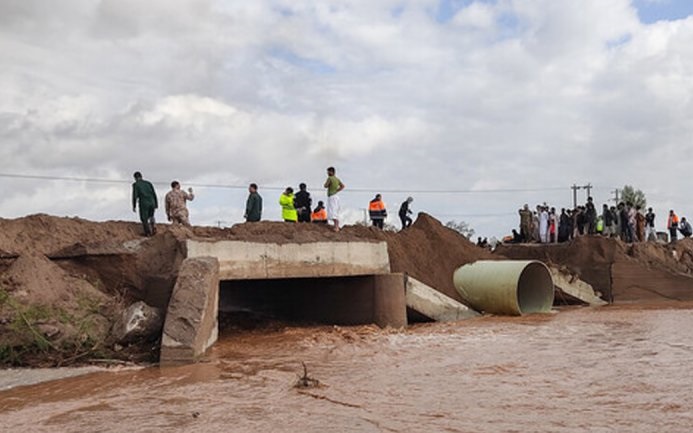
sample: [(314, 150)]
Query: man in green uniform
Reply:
[(253, 206), (143, 191)]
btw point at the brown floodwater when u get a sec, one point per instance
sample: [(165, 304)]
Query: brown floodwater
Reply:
[(614, 369)]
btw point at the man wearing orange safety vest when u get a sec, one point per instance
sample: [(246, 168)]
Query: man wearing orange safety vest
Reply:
[(673, 225), (377, 211), (319, 214)]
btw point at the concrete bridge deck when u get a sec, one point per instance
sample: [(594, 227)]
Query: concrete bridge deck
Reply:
[(240, 260)]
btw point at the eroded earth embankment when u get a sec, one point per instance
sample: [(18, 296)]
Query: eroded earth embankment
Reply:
[(64, 282)]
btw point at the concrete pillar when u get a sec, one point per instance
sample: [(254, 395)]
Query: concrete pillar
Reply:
[(389, 300), (191, 327), (434, 305)]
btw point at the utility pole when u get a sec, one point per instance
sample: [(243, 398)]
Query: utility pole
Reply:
[(616, 193), (575, 189), (588, 187)]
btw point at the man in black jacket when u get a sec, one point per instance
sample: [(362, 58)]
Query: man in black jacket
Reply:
[(685, 228), (608, 219), (404, 213), (650, 232), (303, 203), (590, 216)]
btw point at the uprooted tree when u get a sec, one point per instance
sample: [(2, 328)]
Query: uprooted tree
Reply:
[(634, 196), (461, 227)]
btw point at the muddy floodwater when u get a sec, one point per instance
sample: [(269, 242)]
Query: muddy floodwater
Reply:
[(614, 369)]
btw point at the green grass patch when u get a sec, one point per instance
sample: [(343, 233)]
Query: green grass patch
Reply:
[(22, 342)]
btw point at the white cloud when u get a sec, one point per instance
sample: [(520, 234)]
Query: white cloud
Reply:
[(506, 94)]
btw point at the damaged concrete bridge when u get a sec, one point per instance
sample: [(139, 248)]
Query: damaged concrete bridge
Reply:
[(340, 283)]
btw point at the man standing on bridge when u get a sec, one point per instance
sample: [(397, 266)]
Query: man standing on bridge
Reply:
[(319, 214), (143, 191), (176, 209), (334, 186), (377, 211), (253, 205), (303, 204), (286, 201)]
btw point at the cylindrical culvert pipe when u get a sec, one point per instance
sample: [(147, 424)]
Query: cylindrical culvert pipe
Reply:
[(510, 287)]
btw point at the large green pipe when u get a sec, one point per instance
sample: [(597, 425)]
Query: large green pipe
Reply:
[(510, 287)]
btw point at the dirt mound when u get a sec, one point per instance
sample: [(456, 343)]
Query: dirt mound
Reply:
[(282, 233), (430, 252), (50, 312), (63, 281), (645, 271), (44, 233)]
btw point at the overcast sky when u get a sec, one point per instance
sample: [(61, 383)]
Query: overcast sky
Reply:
[(405, 97)]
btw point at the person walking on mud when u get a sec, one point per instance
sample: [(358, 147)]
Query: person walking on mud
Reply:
[(334, 185), (143, 193), (176, 209), (404, 213)]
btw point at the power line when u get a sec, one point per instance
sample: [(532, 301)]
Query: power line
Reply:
[(475, 215), (278, 188)]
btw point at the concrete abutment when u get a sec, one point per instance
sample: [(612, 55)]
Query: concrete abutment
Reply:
[(191, 327)]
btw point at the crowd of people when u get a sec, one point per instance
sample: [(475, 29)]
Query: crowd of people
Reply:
[(295, 207), (626, 221)]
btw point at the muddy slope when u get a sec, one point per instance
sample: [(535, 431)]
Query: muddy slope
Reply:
[(626, 272)]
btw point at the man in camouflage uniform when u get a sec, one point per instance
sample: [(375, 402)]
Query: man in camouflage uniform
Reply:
[(176, 210), (525, 223), (143, 192)]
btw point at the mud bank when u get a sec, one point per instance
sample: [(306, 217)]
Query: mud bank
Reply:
[(640, 272)]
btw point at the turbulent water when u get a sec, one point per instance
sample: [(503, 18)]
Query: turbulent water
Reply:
[(598, 370)]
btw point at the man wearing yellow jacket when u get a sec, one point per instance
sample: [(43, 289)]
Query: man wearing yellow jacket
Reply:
[(286, 201)]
